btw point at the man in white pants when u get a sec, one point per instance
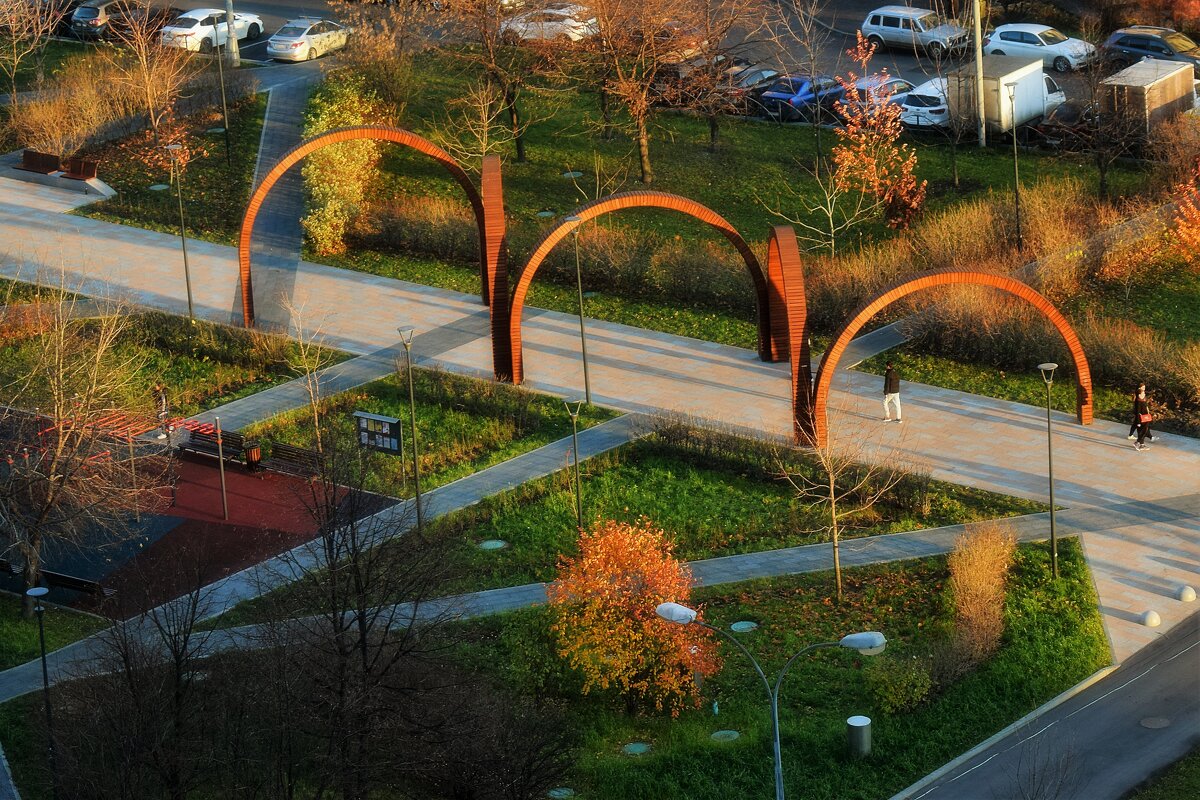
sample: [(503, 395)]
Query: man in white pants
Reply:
[(891, 394)]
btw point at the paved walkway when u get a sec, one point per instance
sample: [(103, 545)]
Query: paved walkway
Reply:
[(963, 438)]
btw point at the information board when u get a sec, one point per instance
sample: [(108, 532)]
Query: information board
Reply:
[(379, 433)]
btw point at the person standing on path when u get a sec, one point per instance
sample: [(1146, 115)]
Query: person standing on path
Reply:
[(1141, 415), (162, 406), (891, 393), (1133, 425)]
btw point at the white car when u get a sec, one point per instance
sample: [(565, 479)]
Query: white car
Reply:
[(1040, 41), (925, 106), (882, 88), (566, 23), (204, 29), (305, 38)]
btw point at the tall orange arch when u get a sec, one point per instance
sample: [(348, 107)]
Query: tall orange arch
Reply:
[(829, 361), (639, 199), (374, 132)]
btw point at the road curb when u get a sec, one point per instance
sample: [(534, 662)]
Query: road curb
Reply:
[(933, 777)]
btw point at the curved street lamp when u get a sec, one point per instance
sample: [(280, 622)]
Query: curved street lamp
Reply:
[(867, 643), (587, 384)]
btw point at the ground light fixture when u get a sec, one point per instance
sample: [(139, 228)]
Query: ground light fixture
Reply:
[(1047, 370), (1012, 99), (587, 384), (173, 152), (36, 594), (406, 339), (867, 643)]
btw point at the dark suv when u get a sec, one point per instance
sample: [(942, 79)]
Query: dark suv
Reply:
[(1136, 42)]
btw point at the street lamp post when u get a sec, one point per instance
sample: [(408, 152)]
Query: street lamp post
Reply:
[(37, 593), (869, 643), (1012, 99), (406, 338), (1047, 370), (587, 384), (177, 179), (574, 415)]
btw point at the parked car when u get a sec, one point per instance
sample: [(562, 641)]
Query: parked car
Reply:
[(914, 29), (1069, 126), (90, 19), (566, 23), (307, 38), (878, 88), (67, 8), (748, 86), (925, 107), (1136, 42), (793, 97), (204, 29), (1057, 51), (683, 82)]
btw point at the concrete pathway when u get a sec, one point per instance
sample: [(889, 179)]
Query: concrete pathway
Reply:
[(967, 439)]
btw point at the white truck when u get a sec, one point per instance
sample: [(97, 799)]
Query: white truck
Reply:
[(1149, 91), (1016, 93)]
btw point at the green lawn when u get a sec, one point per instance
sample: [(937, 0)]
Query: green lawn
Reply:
[(712, 506), (464, 425), (1168, 303), (214, 193), (202, 365), (1180, 782), (19, 637), (57, 53), (1047, 622)]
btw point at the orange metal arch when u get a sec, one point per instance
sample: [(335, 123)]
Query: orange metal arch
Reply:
[(789, 320), (492, 187), (618, 202), (377, 133), (824, 379)]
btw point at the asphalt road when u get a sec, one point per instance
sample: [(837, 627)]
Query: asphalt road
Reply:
[(1101, 743)]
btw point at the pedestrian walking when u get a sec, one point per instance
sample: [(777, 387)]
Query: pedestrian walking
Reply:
[(1141, 413), (162, 406), (1133, 424), (891, 393)]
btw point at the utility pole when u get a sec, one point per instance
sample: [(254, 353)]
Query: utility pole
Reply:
[(979, 106), (231, 42)]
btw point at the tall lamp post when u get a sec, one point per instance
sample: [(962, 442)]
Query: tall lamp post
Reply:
[(173, 151), (1012, 99), (406, 338), (1047, 370), (37, 593), (573, 413), (869, 643), (587, 384)]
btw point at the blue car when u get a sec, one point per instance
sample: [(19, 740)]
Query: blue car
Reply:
[(793, 97)]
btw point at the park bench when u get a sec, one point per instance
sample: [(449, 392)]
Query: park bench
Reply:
[(80, 169), (42, 163), (294, 460), (9, 567), (61, 581), (204, 442)]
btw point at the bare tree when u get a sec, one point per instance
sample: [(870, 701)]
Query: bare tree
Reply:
[(801, 40), (155, 73), (66, 475), (475, 124), (387, 37), (25, 28)]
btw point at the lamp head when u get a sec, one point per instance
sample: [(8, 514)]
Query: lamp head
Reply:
[(1012, 90), (868, 643), (572, 218), (1048, 371), (574, 405), (37, 592), (676, 612)]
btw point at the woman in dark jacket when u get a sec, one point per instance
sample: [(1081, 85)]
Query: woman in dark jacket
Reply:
[(1142, 418)]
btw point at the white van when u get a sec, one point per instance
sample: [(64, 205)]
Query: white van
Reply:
[(914, 29)]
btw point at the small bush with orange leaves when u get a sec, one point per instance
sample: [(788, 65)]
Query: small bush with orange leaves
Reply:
[(1186, 229), (605, 623)]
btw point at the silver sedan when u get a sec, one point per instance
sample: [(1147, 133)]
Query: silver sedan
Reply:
[(307, 38)]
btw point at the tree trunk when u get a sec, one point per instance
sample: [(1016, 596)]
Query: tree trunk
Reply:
[(817, 128), (643, 142), (833, 518), (30, 575), (714, 132), (514, 120), (954, 158), (1102, 165), (606, 130)]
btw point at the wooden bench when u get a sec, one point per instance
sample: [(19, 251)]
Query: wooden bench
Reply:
[(294, 460), (62, 581), (9, 567), (42, 163), (80, 169), (204, 442)]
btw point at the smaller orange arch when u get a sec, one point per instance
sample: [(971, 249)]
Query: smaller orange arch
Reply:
[(829, 361), (618, 202), (375, 132)]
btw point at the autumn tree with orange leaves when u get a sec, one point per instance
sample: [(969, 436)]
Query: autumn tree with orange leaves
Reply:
[(1187, 220), (605, 622)]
